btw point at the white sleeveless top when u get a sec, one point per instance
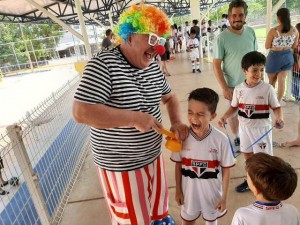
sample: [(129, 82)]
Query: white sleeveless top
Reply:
[(284, 40)]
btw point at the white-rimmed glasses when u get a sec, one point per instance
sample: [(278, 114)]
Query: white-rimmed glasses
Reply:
[(154, 40)]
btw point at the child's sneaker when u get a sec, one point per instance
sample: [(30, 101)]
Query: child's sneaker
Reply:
[(194, 71), (243, 187), (198, 70)]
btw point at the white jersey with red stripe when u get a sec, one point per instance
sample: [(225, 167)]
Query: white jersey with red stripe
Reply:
[(261, 213), (202, 160), (193, 43), (254, 103)]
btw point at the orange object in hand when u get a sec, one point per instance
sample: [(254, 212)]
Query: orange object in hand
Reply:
[(172, 143)]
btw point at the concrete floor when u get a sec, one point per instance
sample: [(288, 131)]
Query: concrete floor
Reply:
[(86, 205)]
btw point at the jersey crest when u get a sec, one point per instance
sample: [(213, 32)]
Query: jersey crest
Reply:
[(199, 167), (262, 145), (249, 110)]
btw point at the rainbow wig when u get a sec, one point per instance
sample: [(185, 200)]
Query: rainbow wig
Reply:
[(142, 19)]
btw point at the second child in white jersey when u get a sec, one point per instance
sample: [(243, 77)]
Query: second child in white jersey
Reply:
[(271, 180), (254, 99), (193, 48)]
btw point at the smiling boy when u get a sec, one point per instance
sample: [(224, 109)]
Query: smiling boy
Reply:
[(254, 99)]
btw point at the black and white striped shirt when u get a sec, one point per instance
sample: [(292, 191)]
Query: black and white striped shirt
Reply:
[(111, 80)]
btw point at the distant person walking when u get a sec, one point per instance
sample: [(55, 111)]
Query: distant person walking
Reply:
[(281, 40), (107, 43), (186, 31)]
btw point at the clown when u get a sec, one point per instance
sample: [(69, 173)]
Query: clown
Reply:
[(119, 97), (146, 22)]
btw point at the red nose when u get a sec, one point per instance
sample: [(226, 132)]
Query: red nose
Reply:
[(159, 49)]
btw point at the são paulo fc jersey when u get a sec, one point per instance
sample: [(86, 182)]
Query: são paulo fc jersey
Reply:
[(261, 213)]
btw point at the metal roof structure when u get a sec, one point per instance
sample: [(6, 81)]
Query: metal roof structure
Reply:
[(22, 11)]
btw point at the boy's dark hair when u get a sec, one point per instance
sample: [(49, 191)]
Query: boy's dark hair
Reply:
[(272, 176), (238, 4), (108, 32), (284, 16), (206, 95), (253, 58), (193, 31), (195, 22)]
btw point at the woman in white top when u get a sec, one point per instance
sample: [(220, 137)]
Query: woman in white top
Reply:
[(281, 41)]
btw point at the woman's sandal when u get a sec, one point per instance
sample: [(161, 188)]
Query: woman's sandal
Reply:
[(288, 144), (282, 145)]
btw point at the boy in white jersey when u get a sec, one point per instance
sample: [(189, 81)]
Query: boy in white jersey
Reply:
[(193, 48), (271, 180), (202, 167), (254, 100)]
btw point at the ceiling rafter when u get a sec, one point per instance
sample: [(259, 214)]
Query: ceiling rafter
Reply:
[(99, 9)]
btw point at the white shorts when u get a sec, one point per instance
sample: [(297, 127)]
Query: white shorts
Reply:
[(171, 42), (207, 216), (249, 135), (136, 197), (194, 54), (201, 197)]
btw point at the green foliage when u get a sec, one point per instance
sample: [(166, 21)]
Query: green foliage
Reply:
[(36, 37), (256, 11)]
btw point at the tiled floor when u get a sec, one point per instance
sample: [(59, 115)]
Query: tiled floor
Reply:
[(86, 205)]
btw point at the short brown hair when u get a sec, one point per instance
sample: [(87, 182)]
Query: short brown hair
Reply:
[(272, 176), (207, 96), (238, 4)]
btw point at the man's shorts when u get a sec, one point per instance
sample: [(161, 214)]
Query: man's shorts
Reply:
[(279, 61)]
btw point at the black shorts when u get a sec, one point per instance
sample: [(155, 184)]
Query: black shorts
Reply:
[(165, 56)]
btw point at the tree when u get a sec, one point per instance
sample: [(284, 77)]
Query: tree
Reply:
[(36, 37)]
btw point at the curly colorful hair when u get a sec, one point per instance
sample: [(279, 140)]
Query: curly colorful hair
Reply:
[(142, 19)]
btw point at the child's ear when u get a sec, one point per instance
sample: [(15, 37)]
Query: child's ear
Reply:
[(255, 191), (213, 116), (244, 71)]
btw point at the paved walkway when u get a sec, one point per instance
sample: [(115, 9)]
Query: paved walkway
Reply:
[(86, 205)]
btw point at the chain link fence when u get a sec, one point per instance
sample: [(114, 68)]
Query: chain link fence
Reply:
[(41, 156)]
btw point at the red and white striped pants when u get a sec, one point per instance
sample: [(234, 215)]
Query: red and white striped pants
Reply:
[(136, 197)]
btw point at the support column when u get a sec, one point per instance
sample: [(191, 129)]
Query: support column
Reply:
[(195, 15), (83, 29), (195, 10), (20, 152), (269, 16)]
